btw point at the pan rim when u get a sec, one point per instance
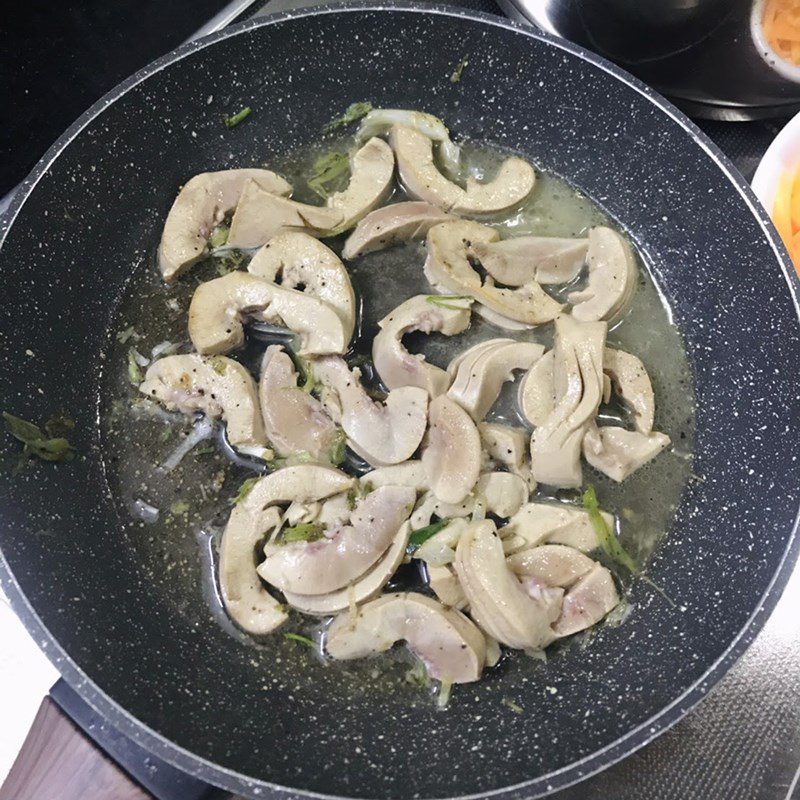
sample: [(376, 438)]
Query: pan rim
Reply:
[(542, 785)]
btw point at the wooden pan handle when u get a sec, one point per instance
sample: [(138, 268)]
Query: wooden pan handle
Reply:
[(58, 762)]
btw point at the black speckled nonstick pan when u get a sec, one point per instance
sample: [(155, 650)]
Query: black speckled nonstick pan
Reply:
[(164, 672)]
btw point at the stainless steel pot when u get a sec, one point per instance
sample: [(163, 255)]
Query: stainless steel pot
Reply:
[(709, 56)]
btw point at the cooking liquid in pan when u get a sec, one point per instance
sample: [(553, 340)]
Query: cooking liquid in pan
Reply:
[(193, 499)]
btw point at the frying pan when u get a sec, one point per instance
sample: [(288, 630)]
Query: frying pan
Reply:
[(149, 656)]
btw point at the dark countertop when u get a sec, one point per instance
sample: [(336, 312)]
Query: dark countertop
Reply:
[(58, 58)]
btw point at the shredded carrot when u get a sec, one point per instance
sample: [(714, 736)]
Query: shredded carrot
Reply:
[(781, 26), (795, 203), (782, 208), (783, 29), (786, 213), (768, 25)]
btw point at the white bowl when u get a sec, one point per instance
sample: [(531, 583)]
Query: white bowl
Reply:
[(783, 154), (785, 68)]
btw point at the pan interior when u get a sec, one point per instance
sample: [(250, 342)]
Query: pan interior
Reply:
[(193, 501)]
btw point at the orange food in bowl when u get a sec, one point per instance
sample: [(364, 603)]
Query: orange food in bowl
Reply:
[(781, 25), (786, 213)]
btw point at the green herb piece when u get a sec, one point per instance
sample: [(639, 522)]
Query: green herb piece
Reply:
[(352, 499), (326, 170), (128, 333), (218, 480), (165, 435), (308, 383), (296, 637), (36, 442), (300, 457), (179, 508), (515, 707), (353, 112), (135, 375), (239, 116), (619, 613), (338, 447), (58, 449), (220, 365), (244, 490), (479, 508), (443, 697), (443, 301), (611, 545), (655, 586), (22, 429), (586, 638), (456, 76), (304, 532), (166, 349), (204, 450), (219, 236), (607, 538), (118, 409), (230, 263), (418, 676), (421, 535), (367, 488)]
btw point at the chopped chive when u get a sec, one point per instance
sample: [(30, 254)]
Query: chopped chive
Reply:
[(128, 333), (229, 263), (244, 490), (135, 376), (36, 443), (421, 535), (443, 698), (457, 72), (353, 112), (303, 532), (327, 169), (219, 236), (239, 116), (59, 425), (607, 538), (339, 447), (444, 301), (296, 637), (179, 508), (22, 429), (418, 675), (308, 375), (515, 707), (611, 545)]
